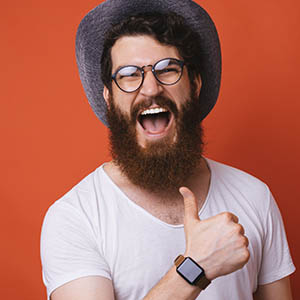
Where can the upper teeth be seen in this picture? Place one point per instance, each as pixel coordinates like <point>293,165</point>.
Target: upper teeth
<point>153,111</point>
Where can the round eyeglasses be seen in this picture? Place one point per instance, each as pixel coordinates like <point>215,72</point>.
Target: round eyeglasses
<point>167,71</point>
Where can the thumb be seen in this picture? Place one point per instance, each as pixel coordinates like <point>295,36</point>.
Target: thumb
<point>190,205</point>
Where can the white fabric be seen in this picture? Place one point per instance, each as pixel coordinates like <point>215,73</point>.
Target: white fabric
<point>96,230</point>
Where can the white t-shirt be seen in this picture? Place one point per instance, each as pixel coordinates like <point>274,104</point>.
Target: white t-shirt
<point>96,230</point>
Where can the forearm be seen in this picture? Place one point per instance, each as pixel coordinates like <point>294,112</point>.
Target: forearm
<point>278,290</point>
<point>172,287</point>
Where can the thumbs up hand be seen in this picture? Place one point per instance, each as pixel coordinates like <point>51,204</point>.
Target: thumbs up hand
<point>217,244</point>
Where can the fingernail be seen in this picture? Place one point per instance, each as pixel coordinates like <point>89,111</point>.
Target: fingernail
<point>183,192</point>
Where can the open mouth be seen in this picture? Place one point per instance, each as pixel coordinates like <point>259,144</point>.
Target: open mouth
<point>155,120</point>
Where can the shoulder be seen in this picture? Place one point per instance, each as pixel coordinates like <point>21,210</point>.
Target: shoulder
<point>228,175</point>
<point>79,207</point>
<point>239,190</point>
<point>74,219</point>
<point>83,195</point>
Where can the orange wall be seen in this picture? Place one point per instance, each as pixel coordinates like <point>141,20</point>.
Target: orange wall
<point>50,137</point>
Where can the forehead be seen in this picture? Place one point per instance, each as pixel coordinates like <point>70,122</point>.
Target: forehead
<point>140,50</point>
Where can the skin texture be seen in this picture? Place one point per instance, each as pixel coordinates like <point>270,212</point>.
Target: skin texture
<point>211,247</point>
<point>277,290</point>
<point>127,51</point>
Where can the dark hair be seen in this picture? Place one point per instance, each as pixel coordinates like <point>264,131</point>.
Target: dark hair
<point>168,29</point>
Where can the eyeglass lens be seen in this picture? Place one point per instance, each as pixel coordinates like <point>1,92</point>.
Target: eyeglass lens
<point>167,71</point>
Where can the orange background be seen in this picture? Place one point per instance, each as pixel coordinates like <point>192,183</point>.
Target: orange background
<point>50,138</point>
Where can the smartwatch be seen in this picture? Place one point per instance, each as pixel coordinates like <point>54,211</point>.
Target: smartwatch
<point>187,268</point>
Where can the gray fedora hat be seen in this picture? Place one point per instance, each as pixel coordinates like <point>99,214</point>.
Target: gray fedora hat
<point>93,27</point>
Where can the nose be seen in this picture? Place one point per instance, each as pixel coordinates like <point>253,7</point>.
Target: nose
<point>150,86</point>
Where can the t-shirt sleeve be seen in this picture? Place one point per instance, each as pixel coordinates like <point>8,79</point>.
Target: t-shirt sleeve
<point>69,247</point>
<point>276,259</point>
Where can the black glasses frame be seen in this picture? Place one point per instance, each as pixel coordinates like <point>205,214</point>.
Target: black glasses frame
<point>180,63</point>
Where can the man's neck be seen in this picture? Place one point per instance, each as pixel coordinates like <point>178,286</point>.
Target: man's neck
<point>167,207</point>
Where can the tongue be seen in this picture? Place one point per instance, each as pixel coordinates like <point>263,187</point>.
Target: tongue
<point>155,123</point>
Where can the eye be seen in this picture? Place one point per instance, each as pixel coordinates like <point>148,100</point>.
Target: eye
<point>128,72</point>
<point>167,70</point>
<point>167,67</point>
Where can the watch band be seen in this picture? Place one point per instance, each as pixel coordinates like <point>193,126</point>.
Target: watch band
<point>202,283</point>
<point>179,260</point>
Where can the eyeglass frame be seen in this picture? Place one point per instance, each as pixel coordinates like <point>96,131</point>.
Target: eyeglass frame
<point>180,62</point>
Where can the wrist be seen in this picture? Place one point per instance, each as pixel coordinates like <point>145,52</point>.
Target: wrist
<point>191,271</point>
<point>206,264</point>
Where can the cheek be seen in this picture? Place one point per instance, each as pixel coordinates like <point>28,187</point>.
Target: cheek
<point>124,105</point>
<point>181,96</point>
<point>182,91</point>
<point>121,100</point>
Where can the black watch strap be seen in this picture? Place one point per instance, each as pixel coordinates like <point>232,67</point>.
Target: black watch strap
<point>203,282</point>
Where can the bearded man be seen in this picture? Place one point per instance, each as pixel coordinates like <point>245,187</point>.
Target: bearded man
<point>160,221</point>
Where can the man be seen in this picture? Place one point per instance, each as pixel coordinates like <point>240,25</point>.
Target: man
<point>160,221</point>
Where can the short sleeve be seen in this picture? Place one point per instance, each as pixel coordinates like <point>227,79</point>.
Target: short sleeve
<point>69,247</point>
<point>276,259</point>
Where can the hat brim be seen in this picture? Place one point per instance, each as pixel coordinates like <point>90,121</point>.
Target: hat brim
<point>91,34</point>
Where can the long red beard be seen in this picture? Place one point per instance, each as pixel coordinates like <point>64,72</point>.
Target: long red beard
<point>160,167</point>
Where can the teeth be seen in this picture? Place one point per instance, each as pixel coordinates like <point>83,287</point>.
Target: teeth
<point>151,111</point>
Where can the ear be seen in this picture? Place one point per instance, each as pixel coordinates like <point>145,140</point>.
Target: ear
<point>198,83</point>
<point>106,95</point>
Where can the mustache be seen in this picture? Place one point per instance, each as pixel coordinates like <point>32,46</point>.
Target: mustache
<point>162,101</point>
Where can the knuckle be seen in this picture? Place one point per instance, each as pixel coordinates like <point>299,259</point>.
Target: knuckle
<point>239,229</point>
<point>227,217</point>
<point>246,255</point>
<point>242,242</point>
<point>188,204</point>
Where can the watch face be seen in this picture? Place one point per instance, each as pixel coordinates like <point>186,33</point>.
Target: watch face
<point>190,270</point>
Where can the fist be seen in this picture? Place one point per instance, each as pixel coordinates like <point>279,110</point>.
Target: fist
<point>217,244</point>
